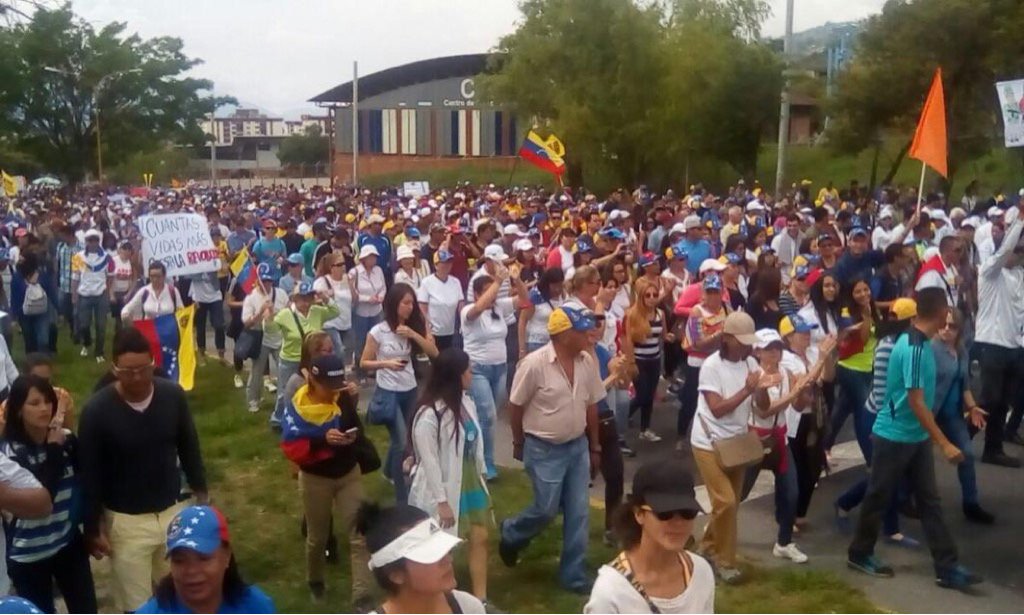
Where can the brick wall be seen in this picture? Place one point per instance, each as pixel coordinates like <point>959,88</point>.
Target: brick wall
<point>380,164</point>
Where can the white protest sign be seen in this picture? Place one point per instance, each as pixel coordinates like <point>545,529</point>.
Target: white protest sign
<point>1011,104</point>
<point>180,241</point>
<point>415,189</point>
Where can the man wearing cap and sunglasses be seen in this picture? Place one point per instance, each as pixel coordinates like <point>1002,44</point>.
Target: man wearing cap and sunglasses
<point>553,414</point>
<point>270,249</point>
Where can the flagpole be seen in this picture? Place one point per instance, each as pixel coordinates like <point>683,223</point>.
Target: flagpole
<point>920,188</point>
<point>515,165</point>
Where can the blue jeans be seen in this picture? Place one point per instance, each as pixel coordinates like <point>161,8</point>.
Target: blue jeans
<point>560,474</point>
<point>854,388</point>
<point>618,401</point>
<point>531,346</point>
<point>488,392</point>
<point>404,405</point>
<point>955,428</point>
<point>285,370</point>
<point>90,310</point>
<point>361,326</point>
<point>36,330</point>
<point>338,338</point>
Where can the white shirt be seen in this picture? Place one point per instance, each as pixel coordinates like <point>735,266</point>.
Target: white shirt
<point>147,303</point>
<point>621,301</point>
<point>205,288</point>
<point>946,283</point>
<point>567,260</point>
<point>254,302</point>
<point>368,284</point>
<point>881,238</point>
<point>537,326</point>
<point>794,365</point>
<point>774,393</point>
<point>342,293</point>
<point>809,314</point>
<point>412,280</point>
<point>612,593</point>
<point>468,603</point>
<point>442,300</point>
<point>483,339</point>
<point>786,250</point>
<point>679,282</point>
<point>8,371</point>
<point>726,379</point>
<point>12,476</point>
<point>504,292</point>
<point>390,346</point>
<point>91,270</point>
<point>1000,317</point>
<point>122,281</point>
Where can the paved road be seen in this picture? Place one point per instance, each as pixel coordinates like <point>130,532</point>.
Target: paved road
<point>996,552</point>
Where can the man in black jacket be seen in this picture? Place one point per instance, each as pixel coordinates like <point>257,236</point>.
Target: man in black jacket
<point>131,436</point>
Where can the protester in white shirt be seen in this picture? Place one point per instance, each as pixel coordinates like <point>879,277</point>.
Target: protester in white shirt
<point>997,334</point>
<point>389,351</point>
<point>440,296</point>
<point>333,281</point>
<point>259,308</point>
<point>884,233</point>
<point>91,269</point>
<point>787,246</point>
<point>368,288</point>
<point>654,526</point>
<point>728,381</point>
<point>533,319</point>
<point>205,292</point>
<point>154,299</point>
<point>124,281</point>
<point>8,370</point>
<point>408,272</point>
<point>484,329</point>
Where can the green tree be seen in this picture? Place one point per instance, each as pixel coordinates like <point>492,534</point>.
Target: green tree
<point>60,73</point>
<point>880,95</point>
<point>308,149</point>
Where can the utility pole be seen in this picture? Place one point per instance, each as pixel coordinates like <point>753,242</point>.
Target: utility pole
<point>355,123</point>
<point>787,50</point>
<point>213,150</point>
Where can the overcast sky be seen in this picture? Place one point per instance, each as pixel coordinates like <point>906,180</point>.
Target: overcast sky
<point>277,54</point>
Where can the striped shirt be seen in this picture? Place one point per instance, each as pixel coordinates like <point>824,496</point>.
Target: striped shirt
<point>879,367</point>
<point>650,348</point>
<point>64,269</point>
<point>32,540</point>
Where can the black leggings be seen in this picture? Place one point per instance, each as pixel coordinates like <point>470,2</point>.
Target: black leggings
<point>646,383</point>
<point>687,401</point>
<point>69,567</point>
<point>809,457</point>
<point>612,468</point>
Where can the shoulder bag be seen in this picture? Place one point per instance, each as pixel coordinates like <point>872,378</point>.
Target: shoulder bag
<point>735,451</point>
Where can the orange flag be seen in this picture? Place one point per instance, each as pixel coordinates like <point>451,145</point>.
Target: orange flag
<point>930,138</point>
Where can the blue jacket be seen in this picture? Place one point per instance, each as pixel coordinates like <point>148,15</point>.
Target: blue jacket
<point>383,245</point>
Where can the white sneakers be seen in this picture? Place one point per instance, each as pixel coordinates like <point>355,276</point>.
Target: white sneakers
<point>84,353</point>
<point>254,407</point>
<point>790,552</point>
<point>238,381</point>
<point>649,436</point>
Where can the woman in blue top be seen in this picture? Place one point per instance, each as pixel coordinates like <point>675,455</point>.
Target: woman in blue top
<point>51,549</point>
<point>955,406</point>
<point>204,575</point>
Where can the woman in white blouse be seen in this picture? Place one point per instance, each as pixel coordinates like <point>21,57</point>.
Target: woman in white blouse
<point>409,272</point>
<point>331,279</point>
<point>154,299</point>
<point>440,295</point>
<point>483,334</point>
<point>533,320</point>
<point>368,288</point>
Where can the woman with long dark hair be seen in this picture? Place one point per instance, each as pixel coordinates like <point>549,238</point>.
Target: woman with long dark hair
<point>544,298</point>
<point>448,475</point>
<point>204,575</point>
<point>50,550</point>
<point>857,341</point>
<point>822,313</point>
<point>411,560</point>
<point>763,306</point>
<point>390,346</point>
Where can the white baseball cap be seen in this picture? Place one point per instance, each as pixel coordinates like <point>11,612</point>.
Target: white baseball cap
<point>404,251</point>
<point>513,229</point>
<point>423,543</point>
<point>523,245</point>
<point>495,252</point>
<point>368,250</point>
<point>691,221</point>
<point>712,264</point>
<point>766,337</point>
<point>679,227</point>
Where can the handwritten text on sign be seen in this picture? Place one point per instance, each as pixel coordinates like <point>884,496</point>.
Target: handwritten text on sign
<point>180,241</point>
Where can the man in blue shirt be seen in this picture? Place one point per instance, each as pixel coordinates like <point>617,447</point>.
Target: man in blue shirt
<point>269,249</point>
<point>860,262</point>
<point>903,435</point>
<point>239,237</point>
<point>698,249</point>
<point>374,237</point>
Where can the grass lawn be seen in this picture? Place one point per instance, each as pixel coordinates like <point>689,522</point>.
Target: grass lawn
<point>251,482</point>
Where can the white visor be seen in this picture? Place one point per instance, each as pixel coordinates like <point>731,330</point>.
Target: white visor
<point>423,543</point>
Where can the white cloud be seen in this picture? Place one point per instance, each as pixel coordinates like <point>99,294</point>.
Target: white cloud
<point>279,54</point>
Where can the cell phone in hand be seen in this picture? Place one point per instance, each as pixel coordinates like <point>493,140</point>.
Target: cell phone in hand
<point>351,431</point>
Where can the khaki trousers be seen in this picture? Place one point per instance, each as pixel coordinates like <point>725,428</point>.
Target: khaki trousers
<point>724,486</point>
<point>139,559</point>
<point>321,497</point>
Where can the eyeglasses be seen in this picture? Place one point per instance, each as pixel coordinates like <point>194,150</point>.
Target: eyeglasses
<point>668,515</point>
<point>337,265</point>
<point>133,371</point>
<point>650,295</point>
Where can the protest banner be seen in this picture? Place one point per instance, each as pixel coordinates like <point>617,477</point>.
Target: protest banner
<point>180,241</point>
<point>1011,104</point>
<point>415,189</point>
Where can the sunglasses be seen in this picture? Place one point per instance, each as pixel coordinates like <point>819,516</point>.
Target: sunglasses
<point>668,515</point>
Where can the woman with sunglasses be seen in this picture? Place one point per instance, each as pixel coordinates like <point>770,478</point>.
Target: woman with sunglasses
<point>154,299</point>
<point>655,573</point>
<point>333,282</point>
<point>958,408</point>
<point>645,325</point>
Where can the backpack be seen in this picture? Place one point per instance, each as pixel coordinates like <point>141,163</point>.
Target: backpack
<point>409,457</point>
<point>36,301</point>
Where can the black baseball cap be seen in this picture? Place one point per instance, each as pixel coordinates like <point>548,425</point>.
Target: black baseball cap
<point>665,486</point>
<point>329,371</point>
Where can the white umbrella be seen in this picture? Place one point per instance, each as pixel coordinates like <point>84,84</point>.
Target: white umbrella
<point>46,180</point>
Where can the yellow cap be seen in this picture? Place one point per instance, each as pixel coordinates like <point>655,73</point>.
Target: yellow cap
<point>903,308</point>
<point>390,224</point>
<point>350,218</point>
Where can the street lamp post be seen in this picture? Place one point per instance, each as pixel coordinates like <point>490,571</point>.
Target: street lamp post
<point>104,80</point>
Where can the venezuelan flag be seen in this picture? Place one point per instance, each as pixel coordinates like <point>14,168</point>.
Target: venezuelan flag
<point>171,340</point>
<point>244,270</point>
<point>544,154</point>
